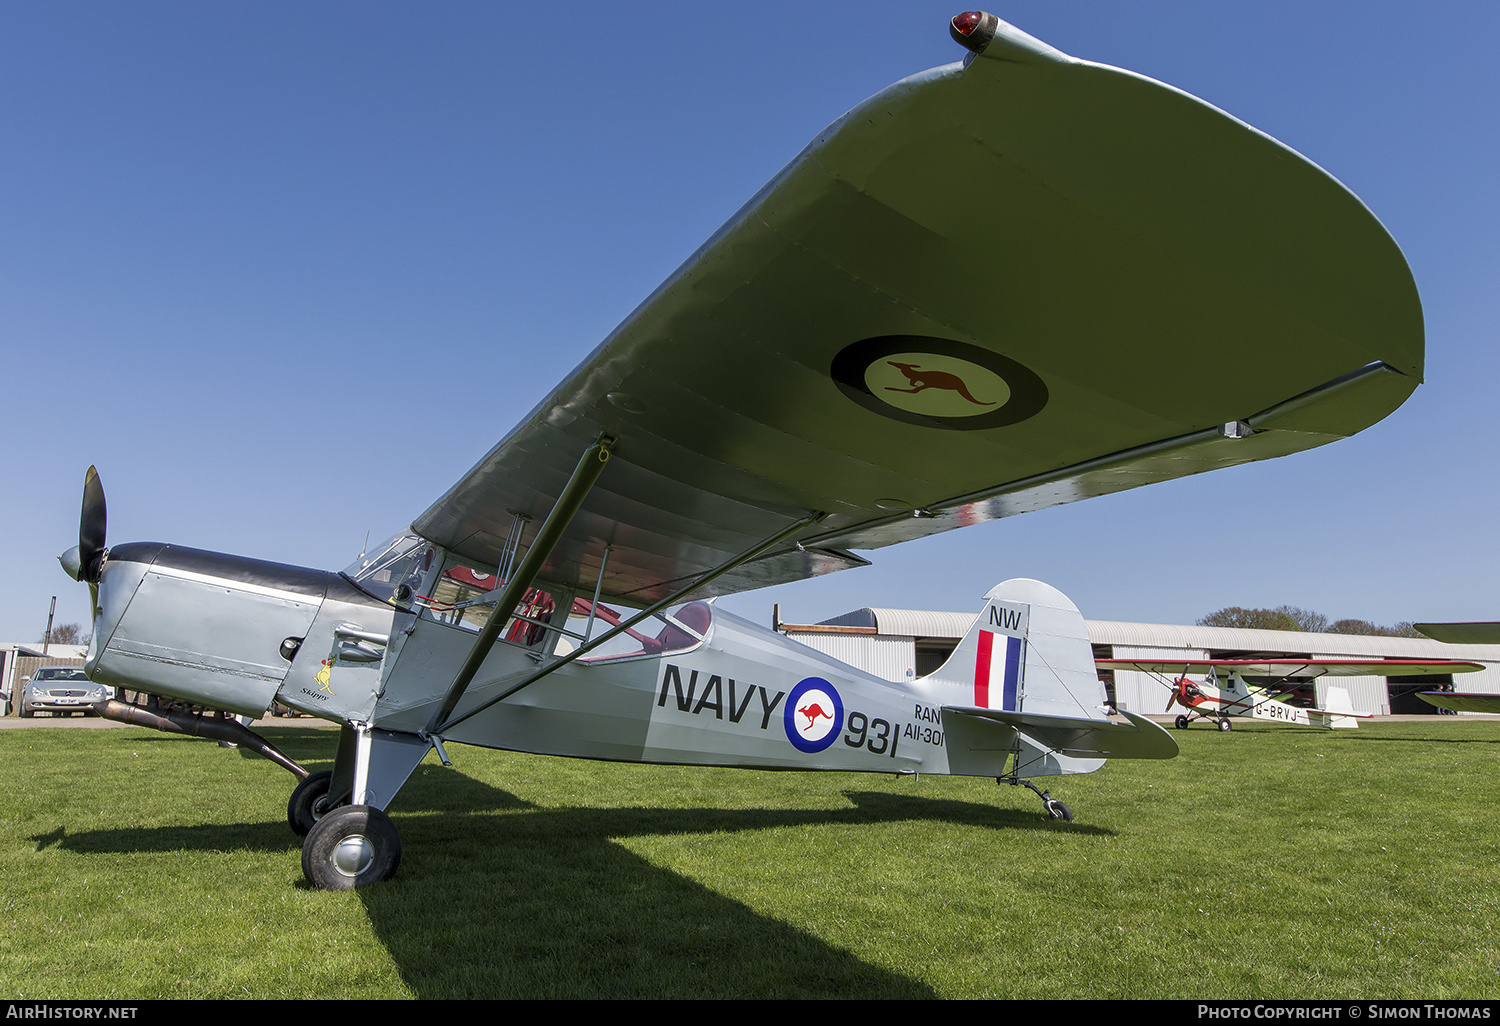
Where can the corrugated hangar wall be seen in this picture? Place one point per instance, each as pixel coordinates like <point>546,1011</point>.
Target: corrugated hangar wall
<point>884,642</point>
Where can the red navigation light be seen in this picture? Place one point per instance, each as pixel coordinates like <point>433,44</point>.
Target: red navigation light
<point>965,23</point>
<point>974,29</point>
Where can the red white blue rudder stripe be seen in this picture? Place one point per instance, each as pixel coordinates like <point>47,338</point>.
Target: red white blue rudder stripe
<point>997,664</point>
<point>1028,651</point>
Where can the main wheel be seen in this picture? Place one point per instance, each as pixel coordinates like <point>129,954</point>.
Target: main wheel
<point>1180,723</point>
<point>1224,726</point>
<point>351,846</point>
<point>309,802</point>
<point>1058,810</point>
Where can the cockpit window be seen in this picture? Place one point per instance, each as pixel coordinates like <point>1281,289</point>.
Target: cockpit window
<point>662,633</point>
<point>455,597</point>
<point>463,596</point>
<point>397,562</point>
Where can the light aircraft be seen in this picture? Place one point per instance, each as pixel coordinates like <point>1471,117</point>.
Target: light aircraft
<point>1000,285</point>
<point>1224,693</point>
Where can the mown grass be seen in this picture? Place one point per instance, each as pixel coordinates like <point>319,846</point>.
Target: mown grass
<point>1270,862</point>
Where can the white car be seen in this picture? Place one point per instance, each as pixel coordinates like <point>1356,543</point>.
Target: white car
<point>59,689</point>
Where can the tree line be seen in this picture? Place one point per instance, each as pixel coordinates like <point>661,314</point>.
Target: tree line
<point>1291,618</point>
<point>65,634</point>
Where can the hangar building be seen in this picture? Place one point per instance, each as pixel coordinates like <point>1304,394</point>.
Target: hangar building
<point>902,644</point>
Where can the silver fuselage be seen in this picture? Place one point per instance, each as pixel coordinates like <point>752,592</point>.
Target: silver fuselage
<point>233,633</point>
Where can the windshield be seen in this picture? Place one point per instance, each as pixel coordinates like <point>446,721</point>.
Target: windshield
<point>398,561</point>
<point>59,673</point>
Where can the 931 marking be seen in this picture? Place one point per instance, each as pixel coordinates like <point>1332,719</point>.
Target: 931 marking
<point>876,735</point>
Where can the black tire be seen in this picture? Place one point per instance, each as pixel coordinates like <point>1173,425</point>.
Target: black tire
<point>1059,810</point>
<point>1181,723</point>
<point>1225,726</point>
<point>309,802</point>
<point>352,846</point>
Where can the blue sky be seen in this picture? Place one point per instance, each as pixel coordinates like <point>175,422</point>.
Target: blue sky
<point>285,271</point>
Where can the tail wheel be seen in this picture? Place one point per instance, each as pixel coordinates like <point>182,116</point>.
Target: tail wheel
<point>1224,726</point>
<point>351,846</point>
<point>309,802</point>
<point>1058,810</point>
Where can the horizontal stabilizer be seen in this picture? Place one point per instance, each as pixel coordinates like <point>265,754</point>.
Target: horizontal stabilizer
<point>1138,738</point>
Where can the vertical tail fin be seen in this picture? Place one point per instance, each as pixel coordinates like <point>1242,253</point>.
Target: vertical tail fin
<point>1338,701</point>
<point>1027,651</point>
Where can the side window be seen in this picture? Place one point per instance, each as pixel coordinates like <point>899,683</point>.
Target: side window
<point>453,595</point>
<point>529,626</point>
<point>661,634</point>
<point>462,596</point>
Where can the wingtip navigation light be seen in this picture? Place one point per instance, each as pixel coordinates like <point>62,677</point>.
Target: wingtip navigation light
<point>973,30</point>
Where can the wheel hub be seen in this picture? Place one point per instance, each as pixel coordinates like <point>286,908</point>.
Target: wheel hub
<point>353,855</point>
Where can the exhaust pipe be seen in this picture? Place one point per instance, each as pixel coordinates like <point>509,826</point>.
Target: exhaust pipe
<point>214,726</point>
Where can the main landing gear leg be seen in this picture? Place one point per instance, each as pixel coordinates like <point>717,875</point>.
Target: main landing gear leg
<point>350,841</point>
<point>1055,809</point>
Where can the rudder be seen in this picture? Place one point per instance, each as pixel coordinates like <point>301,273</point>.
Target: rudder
<point>1028,651</point>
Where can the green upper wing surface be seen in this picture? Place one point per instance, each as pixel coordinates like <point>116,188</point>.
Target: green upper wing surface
<point>994,287</point>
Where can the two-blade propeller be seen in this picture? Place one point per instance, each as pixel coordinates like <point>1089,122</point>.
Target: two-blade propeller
<point>91,528</point>
<point>86,561</point>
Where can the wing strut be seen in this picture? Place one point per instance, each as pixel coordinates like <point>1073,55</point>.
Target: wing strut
<point>677,596</point>
<point>590,466</point>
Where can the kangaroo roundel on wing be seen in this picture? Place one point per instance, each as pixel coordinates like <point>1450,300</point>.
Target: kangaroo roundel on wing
<point>937,382</point>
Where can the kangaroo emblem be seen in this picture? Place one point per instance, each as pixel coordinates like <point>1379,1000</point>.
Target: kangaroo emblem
<point>812,712</point>
<point>323,675</point>
<point>915,375</point>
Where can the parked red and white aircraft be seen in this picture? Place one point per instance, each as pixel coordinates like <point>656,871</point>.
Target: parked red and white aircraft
<point>1224,693</point>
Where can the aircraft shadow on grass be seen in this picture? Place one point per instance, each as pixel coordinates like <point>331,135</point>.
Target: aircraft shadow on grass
<point>540,902</point>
